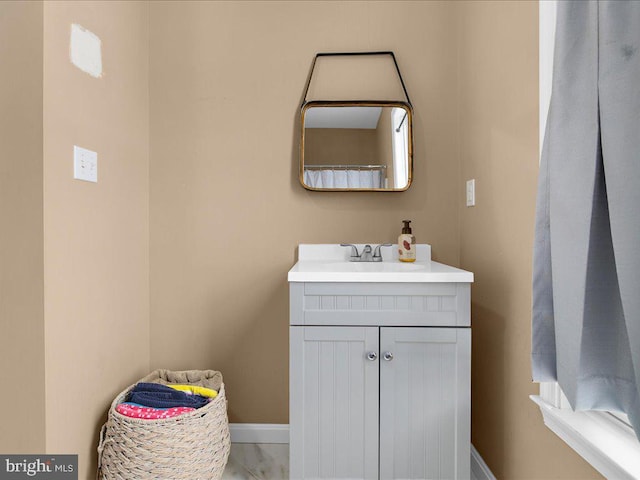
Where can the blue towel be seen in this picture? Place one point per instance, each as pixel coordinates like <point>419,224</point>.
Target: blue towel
<point>156,395</point>
<point>139,405</point>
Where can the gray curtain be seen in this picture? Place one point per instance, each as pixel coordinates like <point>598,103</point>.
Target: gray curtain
<point>586,272</point>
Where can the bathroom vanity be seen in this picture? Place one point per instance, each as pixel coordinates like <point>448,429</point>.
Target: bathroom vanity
<point>380,366</point>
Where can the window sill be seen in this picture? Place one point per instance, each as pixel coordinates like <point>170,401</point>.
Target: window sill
<point>606,443</point>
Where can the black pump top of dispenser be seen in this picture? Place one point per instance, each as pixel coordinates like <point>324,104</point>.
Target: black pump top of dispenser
<point>407,227</point>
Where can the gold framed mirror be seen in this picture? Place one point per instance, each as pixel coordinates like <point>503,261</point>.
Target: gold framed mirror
<point>357,144</point>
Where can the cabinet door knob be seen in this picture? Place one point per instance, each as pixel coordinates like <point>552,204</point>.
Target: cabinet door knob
<point>388,356</point>
<point>372,356</point>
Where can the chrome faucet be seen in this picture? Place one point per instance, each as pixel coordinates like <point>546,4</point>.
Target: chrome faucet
<point>366,255</point>
<point>377,254</point>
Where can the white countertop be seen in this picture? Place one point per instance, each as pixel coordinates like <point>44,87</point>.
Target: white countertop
<point>330,263</point>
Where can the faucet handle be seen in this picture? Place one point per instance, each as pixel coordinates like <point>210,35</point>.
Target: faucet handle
<point>377,255</point>
<point>354,249</point>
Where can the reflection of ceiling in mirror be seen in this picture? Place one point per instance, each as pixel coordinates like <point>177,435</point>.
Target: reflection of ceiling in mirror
<point>342,117</point>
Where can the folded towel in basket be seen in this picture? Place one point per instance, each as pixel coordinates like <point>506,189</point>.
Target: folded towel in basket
<point>194,390</point>
<point>156,395</point>
<point>134,410</point>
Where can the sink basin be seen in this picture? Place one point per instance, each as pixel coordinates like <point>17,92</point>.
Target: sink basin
<point>330,263</point>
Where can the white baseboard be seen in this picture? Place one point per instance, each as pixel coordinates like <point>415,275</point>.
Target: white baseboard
<point>259,432</point>
<point>479,469</point>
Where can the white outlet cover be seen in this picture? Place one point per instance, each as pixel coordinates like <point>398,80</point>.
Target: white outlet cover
<point>85,164</point>
<point>471,192</point>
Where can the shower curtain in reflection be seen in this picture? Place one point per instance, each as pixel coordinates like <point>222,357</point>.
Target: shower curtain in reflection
<point>586,279</point>
<point>343,178</point>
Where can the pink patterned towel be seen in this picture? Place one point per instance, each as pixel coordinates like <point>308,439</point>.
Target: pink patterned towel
<point>134,410</point>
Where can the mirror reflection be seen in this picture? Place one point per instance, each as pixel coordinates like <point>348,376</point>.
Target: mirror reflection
<point>356,147</point>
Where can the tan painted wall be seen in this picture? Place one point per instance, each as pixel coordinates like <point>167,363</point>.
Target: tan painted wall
<point>95,235</point>
<point>227,209</point>
<point>362,77</point>
<point>499,148</point>
<point>21,237</point>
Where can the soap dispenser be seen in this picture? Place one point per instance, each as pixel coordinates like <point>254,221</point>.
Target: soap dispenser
<point>406,244</point>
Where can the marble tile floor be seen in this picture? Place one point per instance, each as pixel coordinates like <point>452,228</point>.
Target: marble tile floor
<point>264,461</point>
<point>261,461</point>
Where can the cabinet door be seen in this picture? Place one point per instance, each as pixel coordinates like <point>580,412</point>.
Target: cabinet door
<point>333,402</point>
<point>425,408</point>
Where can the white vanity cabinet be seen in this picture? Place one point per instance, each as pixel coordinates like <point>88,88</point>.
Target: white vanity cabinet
<point>380,374</point>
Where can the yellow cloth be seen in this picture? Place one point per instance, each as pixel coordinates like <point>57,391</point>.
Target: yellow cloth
<point>195,389</point>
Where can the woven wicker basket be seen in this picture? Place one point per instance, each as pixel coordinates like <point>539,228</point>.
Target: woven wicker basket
<point>191,446</point>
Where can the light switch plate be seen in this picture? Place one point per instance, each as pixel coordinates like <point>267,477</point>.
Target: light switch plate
<point>471,192</point>
<point>85,164</point>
